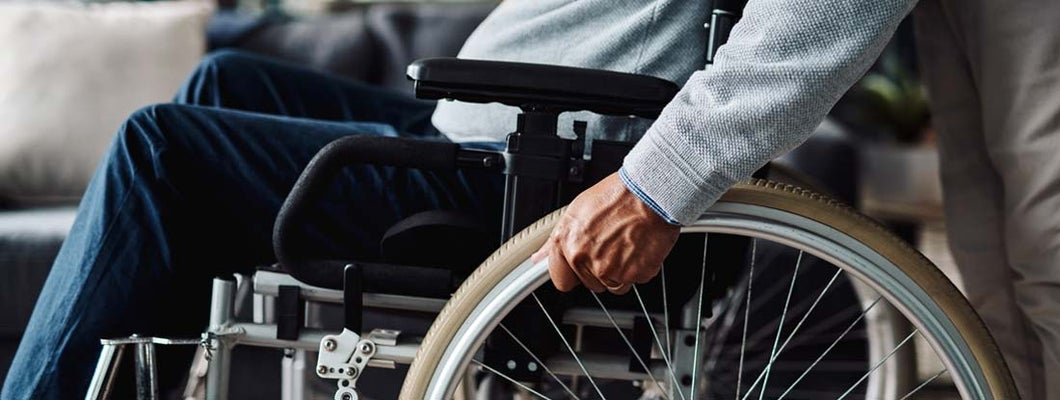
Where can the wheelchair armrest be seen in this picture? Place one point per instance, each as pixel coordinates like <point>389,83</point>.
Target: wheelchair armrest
<point>541,87</point>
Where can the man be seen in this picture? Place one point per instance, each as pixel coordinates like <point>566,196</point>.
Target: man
<point>993,71</point>
<point>137,244</point>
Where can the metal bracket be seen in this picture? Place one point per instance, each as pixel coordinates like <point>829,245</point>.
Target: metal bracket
<point>684,357</point>
<point>344,357</point>
<point>365,349</point>
<point>384,337</point>
<point>335,354</point>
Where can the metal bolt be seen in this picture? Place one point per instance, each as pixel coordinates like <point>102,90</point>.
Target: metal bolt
<point>351,372</point>
<point>347,396</point>
<point>512,365</point>
<point>367,347</point>
<point>329,344</point>
<point>532,366</point>
<point>321,370</point>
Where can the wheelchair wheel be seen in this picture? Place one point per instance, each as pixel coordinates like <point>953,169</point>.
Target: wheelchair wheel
<point>772,329</point>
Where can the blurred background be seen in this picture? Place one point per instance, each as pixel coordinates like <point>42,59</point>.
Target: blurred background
<point>71,72</point>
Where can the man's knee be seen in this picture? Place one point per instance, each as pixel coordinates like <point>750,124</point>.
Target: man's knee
<point>148,126</point>
<point>226,59</point>
<point>205,81</point>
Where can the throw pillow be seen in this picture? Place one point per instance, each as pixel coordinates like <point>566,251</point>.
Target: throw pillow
<point>69,76</point>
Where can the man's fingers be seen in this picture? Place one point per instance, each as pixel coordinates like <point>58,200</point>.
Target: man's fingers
<point>566,275</point>
<point>587,278</point>
<point>541,253</point>
<point>643,275</point>
<point>620,290</point>
<point>560,272</point>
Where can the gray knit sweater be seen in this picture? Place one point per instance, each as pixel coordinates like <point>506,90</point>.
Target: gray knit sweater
<point>785,65</point>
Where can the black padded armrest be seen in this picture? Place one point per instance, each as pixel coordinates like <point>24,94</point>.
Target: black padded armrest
<point>541,87</point>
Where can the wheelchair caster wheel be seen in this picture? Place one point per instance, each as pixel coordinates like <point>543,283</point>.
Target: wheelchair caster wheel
<point>346,393</point>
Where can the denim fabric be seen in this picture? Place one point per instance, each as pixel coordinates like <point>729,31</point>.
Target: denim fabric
<point>189,191</point>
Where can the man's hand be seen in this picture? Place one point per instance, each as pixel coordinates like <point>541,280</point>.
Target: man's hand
<point>607,239</point>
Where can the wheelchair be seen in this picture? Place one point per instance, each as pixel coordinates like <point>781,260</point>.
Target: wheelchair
<point>775,292</point>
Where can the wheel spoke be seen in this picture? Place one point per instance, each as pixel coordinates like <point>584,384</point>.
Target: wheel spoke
<point>773,356</point>
<point>566,343</point>
<point>655,334</point>
<point>509,379</point>
<point>780,328</point>
<point>763,295</point>
<point>921,386</point>
<point>539,362</point>
<point>626,340</point>
<point>731,311</point>
<point>810,336</point>
<point>878,364</point>
<point>747,309</point>
<point>824,326</point>
<point>830,347</point>
<point>666,315</point>
<point>699,317</point>
<point>813,306</point>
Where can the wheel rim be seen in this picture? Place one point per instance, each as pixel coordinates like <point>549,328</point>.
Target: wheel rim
<point>781,227</point>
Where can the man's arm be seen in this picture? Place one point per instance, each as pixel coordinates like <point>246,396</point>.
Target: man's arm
<point>785,65</point>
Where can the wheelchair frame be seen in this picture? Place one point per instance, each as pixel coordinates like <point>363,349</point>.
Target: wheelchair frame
<point>543,172</point>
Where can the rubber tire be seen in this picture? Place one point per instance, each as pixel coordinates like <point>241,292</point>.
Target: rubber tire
<point>757,192</point>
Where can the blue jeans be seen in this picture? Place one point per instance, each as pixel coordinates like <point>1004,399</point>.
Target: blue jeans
<point>189,191</point>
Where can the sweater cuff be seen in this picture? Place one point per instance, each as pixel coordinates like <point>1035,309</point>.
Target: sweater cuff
<point>636,190</point>
<point>669,185</point>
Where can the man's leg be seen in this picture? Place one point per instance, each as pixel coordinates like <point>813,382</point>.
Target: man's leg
<point>973,190</point>
<point>244,81</point>
<point>187,193</point>
<point>1019,59</point>
<point>992,74</point>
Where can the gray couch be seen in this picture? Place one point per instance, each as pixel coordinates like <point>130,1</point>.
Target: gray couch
<point>29,241</point>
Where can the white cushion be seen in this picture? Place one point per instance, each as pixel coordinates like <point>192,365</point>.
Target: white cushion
<point>69,76</point>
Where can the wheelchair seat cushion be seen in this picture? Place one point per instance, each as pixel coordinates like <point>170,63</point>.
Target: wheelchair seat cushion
<point>439,238</point>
